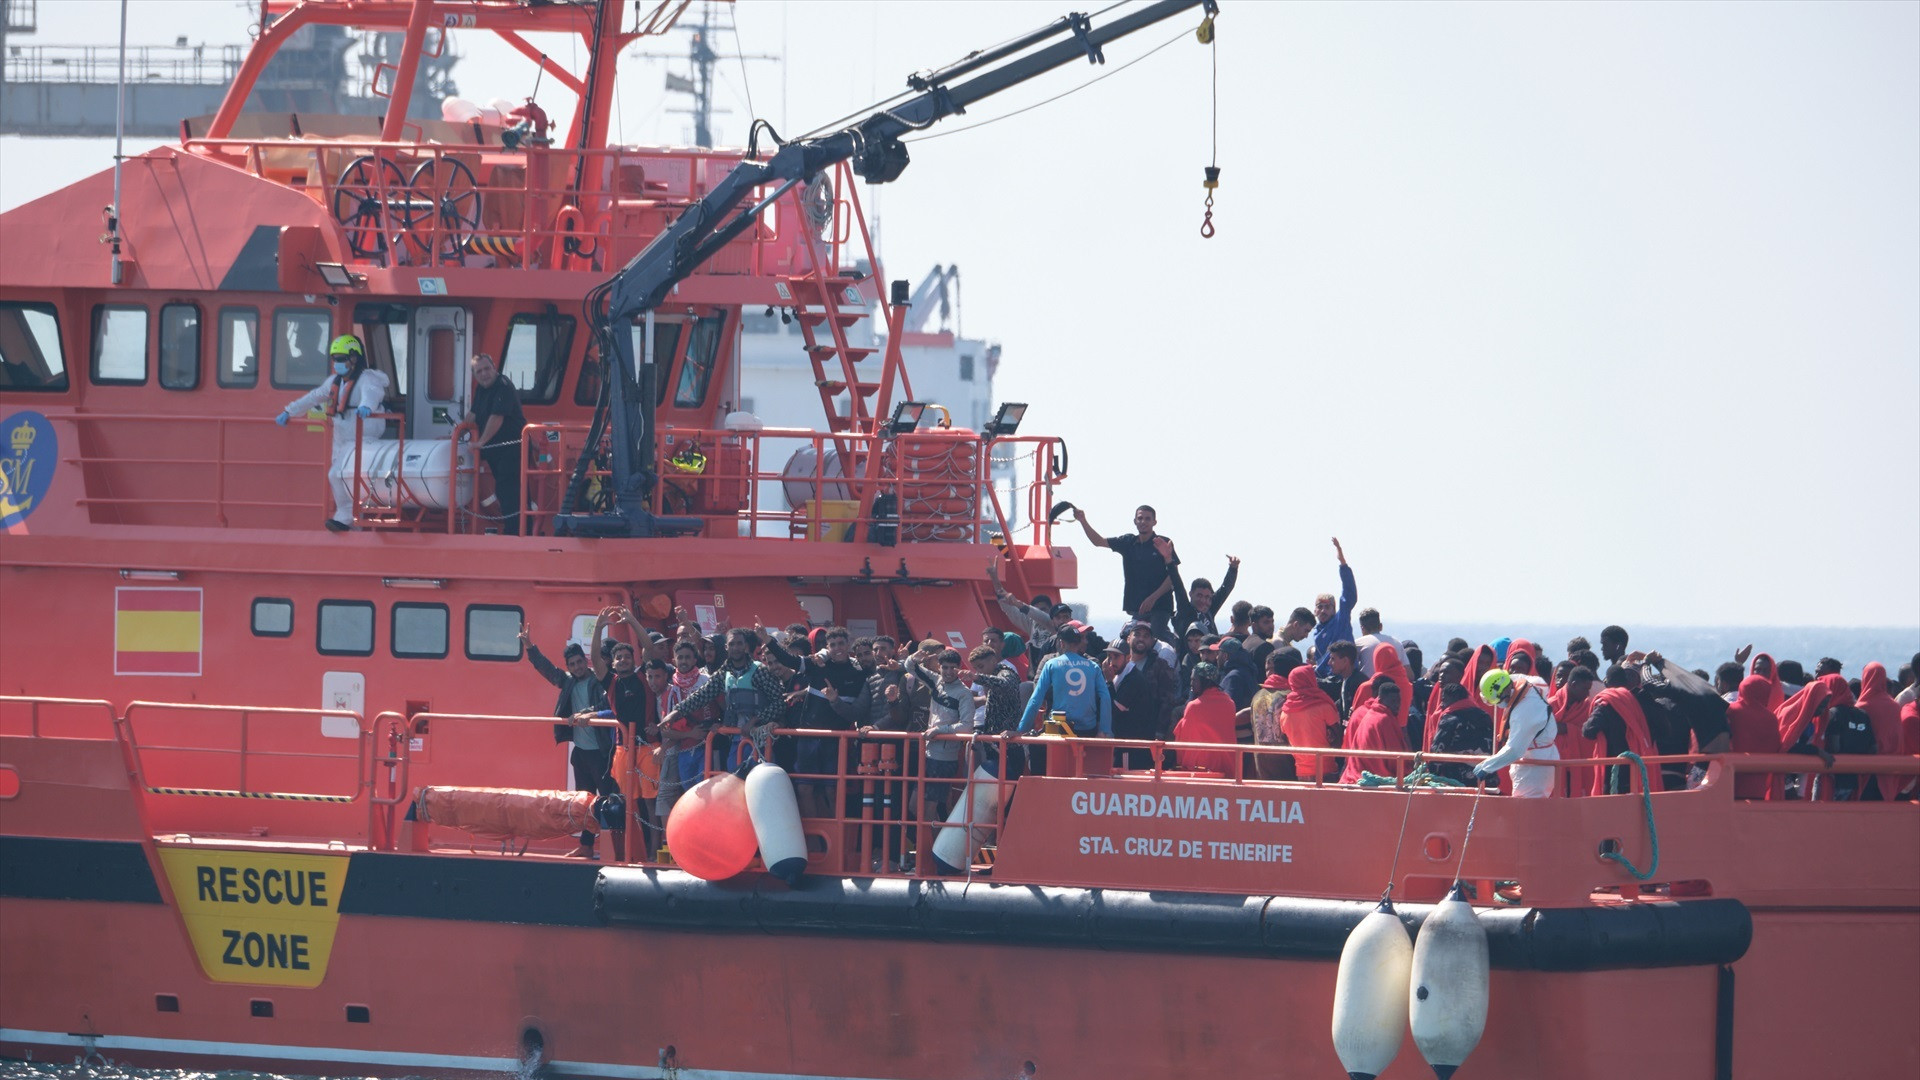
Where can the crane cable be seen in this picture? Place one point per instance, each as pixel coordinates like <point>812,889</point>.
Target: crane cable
<point>1212,176</point>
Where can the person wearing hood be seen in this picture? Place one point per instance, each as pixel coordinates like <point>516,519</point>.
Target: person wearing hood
<point>1386,662</point>
<point>1884,714</point>
<point>1530,734</point>
<point>1752,729</point>
<point>1239,672</point>
<point>1333,622</point>
<point>1308,717</point>
<point>1841,728</point>
<point>1459,727</point>
<point>1209,718</point>
<point>1764,666</point>
<point>1265,709</point>
<point>350,396</point>
<point>1376,726</point>
<point>1572,703</point>
<point>1618,724</point>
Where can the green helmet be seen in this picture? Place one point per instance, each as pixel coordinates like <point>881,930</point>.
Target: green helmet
<point>1494,686</point>
<point>348,346</point>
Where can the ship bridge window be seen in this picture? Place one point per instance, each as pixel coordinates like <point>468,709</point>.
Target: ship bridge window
<point>419,631</point>
<point>180,346</point>
<point>697,371</point>
<point>120,344</point>
<point>237,365</point>
<point>272,617</point>
<point>346,628</point>
<point>300,339</point>
<point>535,359</point>
<point>493,632</point>
<point>387,331</point>
<point>666,347</point>
<point>30,356</point>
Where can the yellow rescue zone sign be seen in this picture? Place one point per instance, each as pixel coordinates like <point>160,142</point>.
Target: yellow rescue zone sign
<point>258,917</point>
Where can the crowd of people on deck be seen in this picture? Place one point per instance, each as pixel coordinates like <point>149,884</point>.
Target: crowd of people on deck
<point>1187,669</point>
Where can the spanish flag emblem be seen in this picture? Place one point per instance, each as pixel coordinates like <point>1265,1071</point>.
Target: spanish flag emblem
<point>156,631</point>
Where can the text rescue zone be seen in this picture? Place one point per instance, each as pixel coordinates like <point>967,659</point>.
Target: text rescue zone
<point>233,885</point>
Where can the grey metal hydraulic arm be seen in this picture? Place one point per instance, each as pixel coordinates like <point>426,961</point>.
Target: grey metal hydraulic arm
<point>873,146</point>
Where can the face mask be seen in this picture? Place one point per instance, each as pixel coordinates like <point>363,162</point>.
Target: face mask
<point>340,367</point>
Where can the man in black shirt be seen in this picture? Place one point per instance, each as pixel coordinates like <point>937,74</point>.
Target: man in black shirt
<point>1145,559</point>
<point>496,410</point>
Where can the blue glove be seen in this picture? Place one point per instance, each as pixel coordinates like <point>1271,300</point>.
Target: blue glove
<point>364,411</point>
<point>281,419</point>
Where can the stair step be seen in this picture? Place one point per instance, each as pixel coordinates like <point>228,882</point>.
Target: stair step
<point>854,354</point>
<point>832,386</point>
<point>817,318</point>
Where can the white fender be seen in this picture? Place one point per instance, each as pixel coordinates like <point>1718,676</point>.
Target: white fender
<point>1447,1001</point>
<point>776,822</point>
<point>954,844</point>
<point>1370,994</point>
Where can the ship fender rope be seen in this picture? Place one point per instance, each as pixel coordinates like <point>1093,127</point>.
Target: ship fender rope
<point>1653,833</point>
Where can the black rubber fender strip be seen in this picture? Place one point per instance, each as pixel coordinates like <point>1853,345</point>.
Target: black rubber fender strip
<point>1637,935</point>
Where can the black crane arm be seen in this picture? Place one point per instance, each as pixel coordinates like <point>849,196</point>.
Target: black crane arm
<point>873,145</point>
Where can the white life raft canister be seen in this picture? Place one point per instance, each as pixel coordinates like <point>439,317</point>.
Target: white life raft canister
<point>776,822</point>
<point>1448,999</point>
<point>955,842</point>
<point>1370,994</point>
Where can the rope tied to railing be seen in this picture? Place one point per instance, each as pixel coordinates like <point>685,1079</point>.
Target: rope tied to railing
<point>1646,799</point>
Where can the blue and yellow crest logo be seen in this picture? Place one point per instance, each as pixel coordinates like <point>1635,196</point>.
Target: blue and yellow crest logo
<point>29,450</point>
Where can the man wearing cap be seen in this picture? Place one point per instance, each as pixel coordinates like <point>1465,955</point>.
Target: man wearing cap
<point>349,396</point>
<point>1146,560</point>
<point>496,409</point>
<point>590,748</point>
<point>1072,684</point>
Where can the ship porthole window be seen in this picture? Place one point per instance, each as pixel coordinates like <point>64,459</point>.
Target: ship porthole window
<point>179,346</point>
<point>346,628</point>
<point>493,632</point>
<point>272,617</point>
<point>419,631</point>
<point>120,344</point>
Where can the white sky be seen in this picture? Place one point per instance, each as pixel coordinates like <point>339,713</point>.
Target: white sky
<point>1583,313</point>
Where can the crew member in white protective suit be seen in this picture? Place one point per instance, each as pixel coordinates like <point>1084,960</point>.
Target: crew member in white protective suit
<point>1531,729</point>
<point>350,396</point>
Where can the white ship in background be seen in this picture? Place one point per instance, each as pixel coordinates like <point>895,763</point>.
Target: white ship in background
<point>945,368</point>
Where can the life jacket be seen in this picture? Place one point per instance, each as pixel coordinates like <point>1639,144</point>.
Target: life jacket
<point>743,698</point>
<point>341,402</point>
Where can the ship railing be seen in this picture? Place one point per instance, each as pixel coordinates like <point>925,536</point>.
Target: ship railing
<point>214,472</point>
<point>245,741</point>
<point>419,203</point>
<point>147,65</point>
<point>396,737</point>
<point>802,484</point>
<point>81,718</point>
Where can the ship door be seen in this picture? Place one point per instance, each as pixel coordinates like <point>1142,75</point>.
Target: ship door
<point>440,347</point>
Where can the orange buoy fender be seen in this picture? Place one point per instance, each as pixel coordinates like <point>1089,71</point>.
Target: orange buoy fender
<point>776,822</point>
<point>710,832</point>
